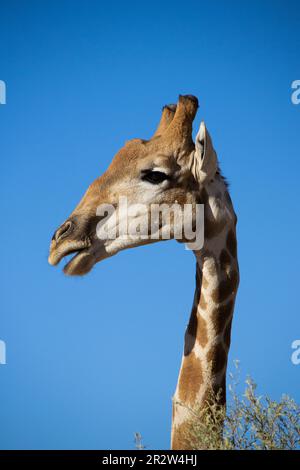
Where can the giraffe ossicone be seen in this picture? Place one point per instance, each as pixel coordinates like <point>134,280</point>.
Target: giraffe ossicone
<point>166,170</point>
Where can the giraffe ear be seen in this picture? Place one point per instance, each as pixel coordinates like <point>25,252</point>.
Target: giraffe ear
<point>205,162</point>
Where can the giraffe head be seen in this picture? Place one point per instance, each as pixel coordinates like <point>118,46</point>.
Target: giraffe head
<point>169,168</point>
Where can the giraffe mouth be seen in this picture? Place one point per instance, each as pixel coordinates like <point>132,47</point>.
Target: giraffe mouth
<point>82,261</point>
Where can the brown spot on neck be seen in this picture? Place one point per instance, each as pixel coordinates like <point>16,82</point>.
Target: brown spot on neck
<point>217,358</point>
<point>231,243</point>
<point>227,333</point>
<point>191,332</point>
<point>190,379</point>
<point>225,260</point>
<point>226,287</point>
<point>202,331</point>
<point>212,228</point>
<point>204,196</point>
<point>220,316</point>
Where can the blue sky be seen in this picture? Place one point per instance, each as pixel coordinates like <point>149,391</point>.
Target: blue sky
<point>92,360</point>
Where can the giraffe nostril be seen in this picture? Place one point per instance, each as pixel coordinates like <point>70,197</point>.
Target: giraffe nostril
<point>63,231</point>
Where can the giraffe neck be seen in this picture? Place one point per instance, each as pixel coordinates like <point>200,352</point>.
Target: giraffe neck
<point>207,337</point>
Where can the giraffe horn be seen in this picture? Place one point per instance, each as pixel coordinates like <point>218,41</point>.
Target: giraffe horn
<point>167,116</point>
<point>180,129</point>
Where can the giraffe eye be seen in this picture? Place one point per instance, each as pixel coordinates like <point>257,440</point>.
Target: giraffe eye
<point>155,177</point>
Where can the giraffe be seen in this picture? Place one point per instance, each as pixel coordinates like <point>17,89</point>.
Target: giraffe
<point>166,168</point>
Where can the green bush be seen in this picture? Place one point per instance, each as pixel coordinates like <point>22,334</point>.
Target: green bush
<point>250,422</point>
